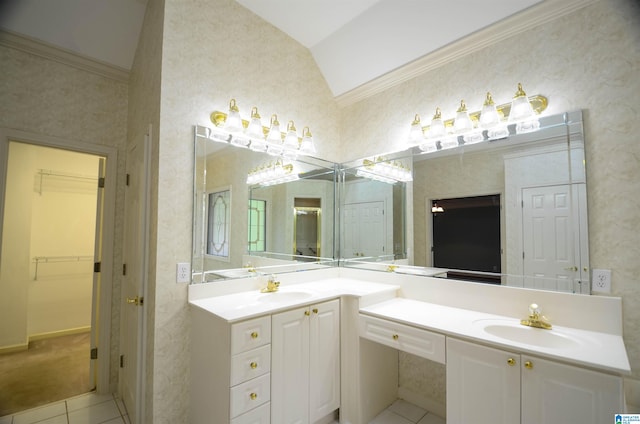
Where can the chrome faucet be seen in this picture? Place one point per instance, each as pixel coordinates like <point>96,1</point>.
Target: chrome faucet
<point>536,319</point>
<point>272,285</point>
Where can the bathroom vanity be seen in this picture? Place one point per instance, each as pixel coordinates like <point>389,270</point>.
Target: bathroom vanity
<point>325,347</point>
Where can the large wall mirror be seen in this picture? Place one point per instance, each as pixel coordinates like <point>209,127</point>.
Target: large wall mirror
<point>509,212</point>
<point>246,221</point>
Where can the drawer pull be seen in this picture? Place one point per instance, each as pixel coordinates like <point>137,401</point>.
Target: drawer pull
<point>395,337</point>
<point>528,365</point>
<point>254,335</point>
<point>511,361</point>
<point>253,396</point>
<point>315,310</point>
<point>253,365</point>
<point>307,313</point>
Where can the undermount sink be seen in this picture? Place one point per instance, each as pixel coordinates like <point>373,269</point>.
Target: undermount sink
<point>283,297</point>
<point>518,333</point>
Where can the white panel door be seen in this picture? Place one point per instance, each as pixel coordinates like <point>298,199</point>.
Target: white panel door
<point>555,393</point>
<point>548,239</point>
<point>290,367</point>
<point>135,254</point>
<point>324,354</point>
<point>483,384</point>
<point>364,225</point>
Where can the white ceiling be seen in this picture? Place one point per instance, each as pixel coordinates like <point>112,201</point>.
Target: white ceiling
<point>352,41</point>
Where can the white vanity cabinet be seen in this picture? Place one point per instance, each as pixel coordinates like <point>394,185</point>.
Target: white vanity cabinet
<point>488,385</point>
<point>231,370</point>
<point>305,368</point>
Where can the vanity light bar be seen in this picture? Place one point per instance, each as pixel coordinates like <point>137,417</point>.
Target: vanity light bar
<point>231,128</point>
<point>488,124</point>
<point>272,174</point>
<point>385,170</point>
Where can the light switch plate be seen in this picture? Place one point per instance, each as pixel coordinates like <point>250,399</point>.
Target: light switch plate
<point>601,281</point>
<point>183,272</point>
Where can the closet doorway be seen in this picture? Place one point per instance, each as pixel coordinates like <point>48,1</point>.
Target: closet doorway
<point>52,208</point>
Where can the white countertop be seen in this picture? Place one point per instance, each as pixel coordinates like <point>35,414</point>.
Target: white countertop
<point>599,350</point>
<point>593,349</point>
<point>249,304</point>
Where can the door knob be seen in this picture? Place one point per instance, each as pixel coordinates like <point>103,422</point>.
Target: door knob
<point>571,268</point>
<point>138,300</point>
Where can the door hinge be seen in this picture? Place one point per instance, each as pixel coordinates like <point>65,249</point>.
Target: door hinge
<point>94,353</point>
<point>121,361</point>
<point>96,267</point>
<point>522,255</point>
<point>101,182</point>
<point>124,269</point>
<point>127,182</point>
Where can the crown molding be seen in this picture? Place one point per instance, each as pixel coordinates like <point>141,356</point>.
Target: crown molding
<point>537,15</point>
<point>67,57</point>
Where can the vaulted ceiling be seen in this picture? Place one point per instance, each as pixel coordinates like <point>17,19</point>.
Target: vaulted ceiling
<point>352,41</point>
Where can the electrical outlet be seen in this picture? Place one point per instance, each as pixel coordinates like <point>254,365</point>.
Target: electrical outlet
<point>601,281</point>
<point>183,272</point>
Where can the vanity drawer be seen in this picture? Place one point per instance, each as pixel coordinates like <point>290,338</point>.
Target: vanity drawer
<point>250,334</point>
<point>250,364</point>
<point>260,415</point>
<point>403,337</point>
<point>249,395</point>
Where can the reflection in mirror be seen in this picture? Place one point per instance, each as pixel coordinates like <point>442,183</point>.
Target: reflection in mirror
<point>373,218</point>
<point>539,179</point>
<point>242,230</point>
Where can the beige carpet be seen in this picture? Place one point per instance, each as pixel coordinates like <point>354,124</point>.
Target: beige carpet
<point>50,370</point>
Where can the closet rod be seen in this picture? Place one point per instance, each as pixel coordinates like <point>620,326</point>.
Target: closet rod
<point>57,259</point>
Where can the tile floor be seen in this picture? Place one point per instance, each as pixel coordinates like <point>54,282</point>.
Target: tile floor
<point>403,412</point>
<point>89,408</point>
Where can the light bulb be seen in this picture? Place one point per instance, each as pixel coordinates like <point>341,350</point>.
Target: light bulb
<point>307,147</point>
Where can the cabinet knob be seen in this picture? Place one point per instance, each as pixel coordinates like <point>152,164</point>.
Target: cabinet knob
<point>511,361</point>
<point>307,313</point>
<point>253,365</point>
<point>395,337</point>
<point>315,310</point>
<point>528,365</point>
<point>254,335</point>
<point>253,396</point>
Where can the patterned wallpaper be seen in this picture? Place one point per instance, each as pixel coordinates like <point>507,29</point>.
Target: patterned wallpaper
<point>212,52</point>
<point>52,99</point>
<point>588,60</point>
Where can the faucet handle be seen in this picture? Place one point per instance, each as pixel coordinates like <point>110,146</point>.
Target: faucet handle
<point>534,310</point>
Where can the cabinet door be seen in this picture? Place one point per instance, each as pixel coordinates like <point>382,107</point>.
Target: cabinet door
<point>483,384</point>
<point>558,393</point>
<point>324,355</point>
<point>290,367</point>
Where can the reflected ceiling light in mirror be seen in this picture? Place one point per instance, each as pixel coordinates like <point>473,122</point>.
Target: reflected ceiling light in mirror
<point>491,120</point>
<point>272,173</point>
<point>436,209</point>
<point>384,170</point>
<point>522,113</point>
